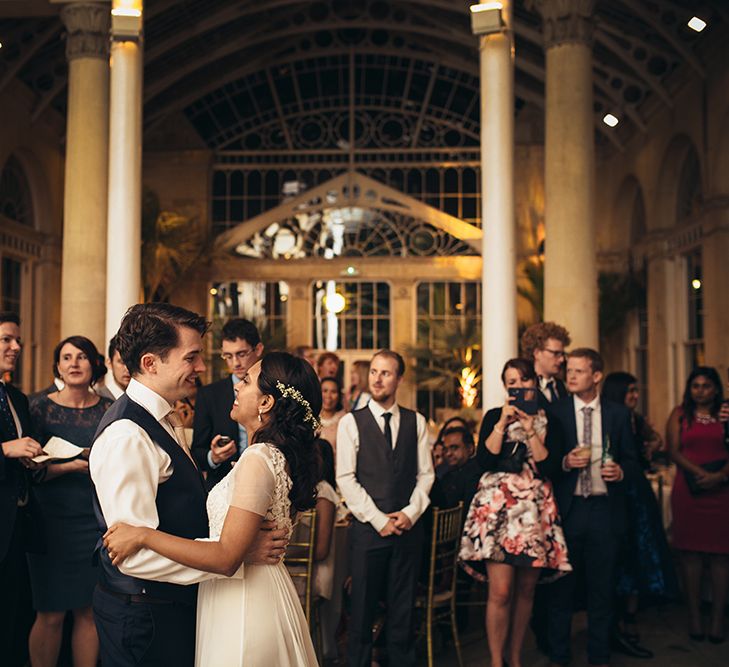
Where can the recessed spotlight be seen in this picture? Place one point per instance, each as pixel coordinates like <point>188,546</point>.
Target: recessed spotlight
<point>610,120</point>
<point>696,284</point>
<point>697,24</point>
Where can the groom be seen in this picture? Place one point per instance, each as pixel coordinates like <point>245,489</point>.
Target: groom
<point>143,474</point>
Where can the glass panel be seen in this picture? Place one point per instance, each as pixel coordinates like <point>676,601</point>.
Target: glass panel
<point>470,304</point>
<point>455,306</point>
<point>423,298</point>
<point>368,334</point>
<point>366,290</point>
<point>439,299</point>
<point>383,333</point>
<point>350,334</point>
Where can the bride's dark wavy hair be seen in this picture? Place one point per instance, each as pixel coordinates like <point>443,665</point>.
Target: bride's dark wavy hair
<point>286,427</point>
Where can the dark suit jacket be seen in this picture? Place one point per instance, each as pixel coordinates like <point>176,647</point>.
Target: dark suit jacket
<point>212,417</point>
<point>11,470</point>
<point>616,424</point>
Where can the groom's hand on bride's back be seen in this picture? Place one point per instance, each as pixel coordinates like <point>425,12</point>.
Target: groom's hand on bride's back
<point>269,546</point>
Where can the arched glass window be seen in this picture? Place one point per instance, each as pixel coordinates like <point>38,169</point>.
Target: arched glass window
<point>15,201</point>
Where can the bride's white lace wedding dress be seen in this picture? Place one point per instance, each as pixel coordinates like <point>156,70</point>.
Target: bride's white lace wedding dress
<point>258,619</point>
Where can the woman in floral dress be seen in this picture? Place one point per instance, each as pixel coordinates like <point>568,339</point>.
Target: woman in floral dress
<point>513,525</point>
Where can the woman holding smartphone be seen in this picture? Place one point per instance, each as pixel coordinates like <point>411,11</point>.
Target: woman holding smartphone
<point>513,524</point>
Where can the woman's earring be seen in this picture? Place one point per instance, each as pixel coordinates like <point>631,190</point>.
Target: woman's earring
<point>260,418</point>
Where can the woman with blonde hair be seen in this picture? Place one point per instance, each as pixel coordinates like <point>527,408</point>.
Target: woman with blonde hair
<point>359,384</point>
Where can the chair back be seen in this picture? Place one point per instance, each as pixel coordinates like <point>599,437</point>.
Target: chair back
<point>444,547</point>
<point>299,558</point>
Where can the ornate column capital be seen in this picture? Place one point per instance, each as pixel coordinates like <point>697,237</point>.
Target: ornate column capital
<point>566,21</point>
<point>87,29</point>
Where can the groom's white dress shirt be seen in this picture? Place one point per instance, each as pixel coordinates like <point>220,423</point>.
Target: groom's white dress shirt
<point>127,467</point>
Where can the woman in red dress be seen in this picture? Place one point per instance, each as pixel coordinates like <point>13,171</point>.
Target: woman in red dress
<point>700,498</point>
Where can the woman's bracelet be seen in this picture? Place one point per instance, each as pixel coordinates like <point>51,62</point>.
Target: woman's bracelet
<point>500,431</point>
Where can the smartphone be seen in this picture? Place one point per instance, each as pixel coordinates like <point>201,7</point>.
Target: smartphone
<point>525,398</point>
<point>224,440</point>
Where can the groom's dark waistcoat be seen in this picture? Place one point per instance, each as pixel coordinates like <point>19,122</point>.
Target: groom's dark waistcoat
<point>388,475</point>
<point>180,505</point>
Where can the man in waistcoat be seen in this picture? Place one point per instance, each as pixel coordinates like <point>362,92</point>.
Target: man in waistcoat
<point>143,474</point>
<point>384,471</point>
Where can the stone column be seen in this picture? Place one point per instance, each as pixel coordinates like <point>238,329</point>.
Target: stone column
<point>124,257</point>
<point>83,277</point>
<point>402,334</point>
<point>498,277</point>
<point>570,271</point>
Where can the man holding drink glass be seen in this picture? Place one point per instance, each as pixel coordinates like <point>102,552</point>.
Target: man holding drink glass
<point>598,452</point>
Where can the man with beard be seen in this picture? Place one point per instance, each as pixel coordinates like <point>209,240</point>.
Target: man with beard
<point>384,471</point>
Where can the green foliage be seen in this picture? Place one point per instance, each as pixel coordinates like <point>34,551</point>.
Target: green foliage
<point>456,345</point>
<point>534,291</point>
<point>172,246</point>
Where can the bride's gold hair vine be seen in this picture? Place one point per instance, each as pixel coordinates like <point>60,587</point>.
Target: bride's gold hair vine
<point>295,395</point>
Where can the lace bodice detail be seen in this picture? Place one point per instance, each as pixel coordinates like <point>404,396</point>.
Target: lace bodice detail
<point>222,494</point>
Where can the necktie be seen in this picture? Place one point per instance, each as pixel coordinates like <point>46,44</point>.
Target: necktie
<point>387,416</point>
<point>7,423</point>
<point>585,478</point>
<point>176,423</point>
<point>551,391</point>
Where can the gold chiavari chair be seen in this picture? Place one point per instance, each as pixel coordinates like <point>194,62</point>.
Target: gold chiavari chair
<point>299,561</point>
<point>439,601</point>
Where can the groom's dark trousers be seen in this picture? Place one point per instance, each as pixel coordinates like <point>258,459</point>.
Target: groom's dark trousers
<point>150,623</point>
<point>153,634</point>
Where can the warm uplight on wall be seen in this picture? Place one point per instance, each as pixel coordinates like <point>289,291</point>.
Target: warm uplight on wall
<point>610,120</point>
<point>126,20</point>
<point>697,24</point>
<point>486,18</point>
<point>696,284</point>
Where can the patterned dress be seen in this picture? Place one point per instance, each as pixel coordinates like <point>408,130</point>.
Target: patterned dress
<point>513,518</point>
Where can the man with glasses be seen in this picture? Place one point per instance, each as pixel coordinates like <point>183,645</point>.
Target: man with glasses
<point>544,343</point>
<point>217,440</point>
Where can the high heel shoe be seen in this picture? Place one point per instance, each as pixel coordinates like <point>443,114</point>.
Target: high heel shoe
<point>717,639</point>
<point>697,636</point>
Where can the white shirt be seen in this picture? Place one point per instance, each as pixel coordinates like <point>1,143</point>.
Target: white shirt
<point>598,483</point>
<point>127,467</point>
<point>358,500</point>
<point>543,387</point>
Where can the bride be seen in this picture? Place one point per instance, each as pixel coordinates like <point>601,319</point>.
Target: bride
<point>257,619</point>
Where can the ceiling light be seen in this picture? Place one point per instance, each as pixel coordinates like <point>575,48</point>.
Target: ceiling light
<point>697,24</point>
<point>610,120</point>
<point>335,303</point>
<point>696,284</point>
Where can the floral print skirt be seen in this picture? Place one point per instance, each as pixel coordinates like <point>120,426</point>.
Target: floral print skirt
<point>513,519</point>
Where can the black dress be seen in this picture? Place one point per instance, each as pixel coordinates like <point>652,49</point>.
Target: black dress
<point>64,577</point>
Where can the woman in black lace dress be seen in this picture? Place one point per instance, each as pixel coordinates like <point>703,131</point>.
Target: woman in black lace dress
<point>63,578</point>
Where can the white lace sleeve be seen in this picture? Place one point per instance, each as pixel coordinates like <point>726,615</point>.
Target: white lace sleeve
<point>254,482</point>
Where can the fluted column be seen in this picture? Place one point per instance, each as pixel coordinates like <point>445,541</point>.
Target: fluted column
<point>498,277</point>
<point>124,287</point>
<point>570,268</point>
<point>83,276</point>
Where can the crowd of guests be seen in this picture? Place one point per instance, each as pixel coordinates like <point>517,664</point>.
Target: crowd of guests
<point>558,512</point>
